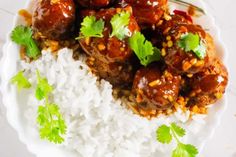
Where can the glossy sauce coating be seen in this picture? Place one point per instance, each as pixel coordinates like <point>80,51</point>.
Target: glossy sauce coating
<point>155,89</point>
<point>55,20</point>
<point>113,55</point>
<point>93,3</point>
<point>209,85</point>
<point>176,57</point>
<point>148,12</point>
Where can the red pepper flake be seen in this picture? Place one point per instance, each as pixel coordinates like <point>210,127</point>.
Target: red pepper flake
<point>184,14</point>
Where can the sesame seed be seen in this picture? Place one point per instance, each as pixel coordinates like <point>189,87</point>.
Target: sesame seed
<point>168,37</point>
<point>101,47</point>
<point>154,83</point>
<point>189,75</point>
<point>164,44</point>
<point>87,40</point>
<point>169,43</point>
<point>193,61</point>
<point>199,63</point>
<point>186,65</point>
<point>163,52</point>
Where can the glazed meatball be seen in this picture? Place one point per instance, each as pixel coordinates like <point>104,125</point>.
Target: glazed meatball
<point>155,89</point>
<point>148,12</point>
<point>209,85</point>
<point>93,3</point>
<point>175,56</point>
<point>112,58</point>
<point>54,19</point>
<point>156,35</point>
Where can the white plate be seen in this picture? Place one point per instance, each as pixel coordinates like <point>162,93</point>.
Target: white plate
<point>15,105</point>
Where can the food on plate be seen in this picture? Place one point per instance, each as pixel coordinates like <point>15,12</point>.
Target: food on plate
<point>154,61</point>
<point>159,68</point>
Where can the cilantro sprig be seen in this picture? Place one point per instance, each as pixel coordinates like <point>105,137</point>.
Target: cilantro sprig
<point>90,27</point>
<point>52,126</point>
<point>22,35</point>
<point>119,23</point>
<point>51,123</point>
<point>144,49</point>
<point>165,134</point>
<point>43,88</point>
<point>20,81</point>
<point>192,42</point>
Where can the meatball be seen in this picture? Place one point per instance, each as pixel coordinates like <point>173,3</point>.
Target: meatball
<point>93,3</point>
<point>176,57</point>
<point>148,12</point>
<point>155,89</point>
<point>54,19</point>
<point>112,58</point>
<point>156,35</point>
<point>209,85</point>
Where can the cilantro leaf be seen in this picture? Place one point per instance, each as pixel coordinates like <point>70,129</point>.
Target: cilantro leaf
<point>90,27</point>
<point>166,133</point>
<point>143,49</point>
<point>20,80</point>
<point>177,129</point>
<point>163,134</point>
<point>189,41</point>
<point>200,51</point>
<point>192,42</point>
<point>184,150</point>
<point>51,122</point>
<point>119,23</point>
<point>43,88</point>
<point>22,35</point>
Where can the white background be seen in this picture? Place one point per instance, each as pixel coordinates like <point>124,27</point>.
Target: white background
<point>222,144</point>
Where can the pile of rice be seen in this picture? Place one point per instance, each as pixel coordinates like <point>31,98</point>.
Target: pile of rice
<point>97,124</point>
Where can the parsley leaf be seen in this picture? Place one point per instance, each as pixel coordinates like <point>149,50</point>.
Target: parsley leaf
<point>163,134</point>
<point>52,124</point>
<point>119,23</point>
<point>192,42</point>
<point>178,130</point>
<point>43,88</point>
<point>166,133</point>
<point>184,150</point>
<point>144,49</point>
<point>20,80</point>
<point>90,27</point>
<point>22,35</point>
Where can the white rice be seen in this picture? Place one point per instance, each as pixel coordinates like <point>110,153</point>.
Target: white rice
<point>98,125</point>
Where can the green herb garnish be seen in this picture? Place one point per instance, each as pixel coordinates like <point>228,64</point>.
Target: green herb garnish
<point>165,134</point>
<point>43,88</point>
<point>20,80</point>
<point>90,27</point>
<point>119,23</point>
<point>22,35</point>
<point>192,42</point>
<point>52,124</point>
<point>144,49</point>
